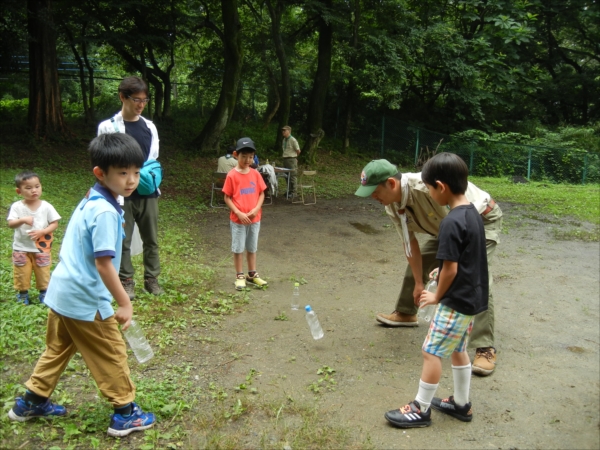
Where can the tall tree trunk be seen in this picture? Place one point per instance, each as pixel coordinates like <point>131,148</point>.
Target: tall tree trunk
<point>350,92</point>
<point>208,140</point>
<point>285,95</point>
<point>319,92</point>
<point>45,116</point>
<point>274,99</point>
<point>90,69</point>
<point>165,78</point>
<point>81,66</point>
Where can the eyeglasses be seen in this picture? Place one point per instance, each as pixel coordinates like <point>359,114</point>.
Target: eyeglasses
<point>139,100</point>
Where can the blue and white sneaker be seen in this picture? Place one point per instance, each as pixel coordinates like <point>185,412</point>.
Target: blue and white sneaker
<point>42,297</point>
<point>23,410</point>
<point>23,298</point>
<point>138,420</point>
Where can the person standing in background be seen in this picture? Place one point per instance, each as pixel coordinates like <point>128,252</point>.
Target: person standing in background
<point>291,150</point>
<point>140,209</point>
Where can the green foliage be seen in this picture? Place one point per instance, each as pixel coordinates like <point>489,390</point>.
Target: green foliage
<point>569,154</point>
<point>556,200</point>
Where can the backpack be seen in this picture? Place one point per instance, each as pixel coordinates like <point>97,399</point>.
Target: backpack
<point>151,175</point>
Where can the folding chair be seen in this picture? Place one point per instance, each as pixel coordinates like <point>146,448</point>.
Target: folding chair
<point>307,183</point>
<point>217,185</point>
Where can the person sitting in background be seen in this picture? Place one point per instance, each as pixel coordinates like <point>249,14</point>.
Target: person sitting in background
<point>228,161</point>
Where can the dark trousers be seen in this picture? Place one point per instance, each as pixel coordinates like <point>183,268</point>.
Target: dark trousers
<point>144,212</point>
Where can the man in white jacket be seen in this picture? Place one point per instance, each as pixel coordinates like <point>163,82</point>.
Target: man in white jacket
<point>140,209</point>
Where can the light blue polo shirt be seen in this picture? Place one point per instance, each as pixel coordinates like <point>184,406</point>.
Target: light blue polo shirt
<point>95,229</point>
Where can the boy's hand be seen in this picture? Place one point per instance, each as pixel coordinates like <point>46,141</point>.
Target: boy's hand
<point>433,274</point>
<point>36,234</point>
<point>244,218</point>
<point>252,214</point>
<point>123,315</point>
<point>427,298</point>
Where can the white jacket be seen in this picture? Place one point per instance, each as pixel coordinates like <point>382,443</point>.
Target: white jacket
<point>108,126</point>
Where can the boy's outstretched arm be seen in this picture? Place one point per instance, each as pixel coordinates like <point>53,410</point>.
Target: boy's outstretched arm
<point>36,234</point>
<point>110,278</point>
<point>445,279</point>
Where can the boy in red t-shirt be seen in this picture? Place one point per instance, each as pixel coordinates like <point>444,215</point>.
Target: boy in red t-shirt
<point>244,194</point>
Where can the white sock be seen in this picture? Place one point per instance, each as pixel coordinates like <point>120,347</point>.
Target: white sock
<point>425,394</point>
<point>462,384</point>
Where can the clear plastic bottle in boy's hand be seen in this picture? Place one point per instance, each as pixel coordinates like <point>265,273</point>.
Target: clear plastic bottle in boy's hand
<point>138,343</point>
<point>426,313</point>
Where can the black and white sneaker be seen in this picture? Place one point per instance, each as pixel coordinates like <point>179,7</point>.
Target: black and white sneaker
<point>409,416</point>
<point>447,406</point>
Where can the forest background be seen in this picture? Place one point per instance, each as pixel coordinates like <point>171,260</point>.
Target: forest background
<point>512,86</point>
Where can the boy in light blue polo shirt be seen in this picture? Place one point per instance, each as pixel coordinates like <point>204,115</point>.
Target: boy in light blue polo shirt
<point>82,287</point>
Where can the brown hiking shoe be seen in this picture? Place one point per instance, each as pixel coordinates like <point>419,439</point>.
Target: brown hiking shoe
<point>129,286</point>
<point>398,319</point>
<point>152,286</point>
<point>485,361</point>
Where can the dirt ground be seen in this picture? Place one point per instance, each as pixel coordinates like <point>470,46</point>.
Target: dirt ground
<point>544,392</point>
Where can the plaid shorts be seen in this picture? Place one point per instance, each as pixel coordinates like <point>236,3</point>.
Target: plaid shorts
<point>448,332</point>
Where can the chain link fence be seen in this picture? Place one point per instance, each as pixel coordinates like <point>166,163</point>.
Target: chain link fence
<point>410,146</point>
<point>390,138</point>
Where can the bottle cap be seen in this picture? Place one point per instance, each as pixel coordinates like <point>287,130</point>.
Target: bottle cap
<point>296,284</point>
<point>307,308</point>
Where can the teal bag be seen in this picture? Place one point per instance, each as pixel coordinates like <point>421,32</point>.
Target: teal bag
<point>151,175</point>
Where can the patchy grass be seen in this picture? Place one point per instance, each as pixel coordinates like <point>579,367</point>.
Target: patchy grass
<point>558,201</point>
<point>181,384</point>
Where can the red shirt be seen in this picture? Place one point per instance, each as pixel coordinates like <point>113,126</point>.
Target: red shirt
<point>244,190</point>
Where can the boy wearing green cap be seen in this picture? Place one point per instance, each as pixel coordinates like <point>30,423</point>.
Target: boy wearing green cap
<point>412,210</point>
<point>462,292</point>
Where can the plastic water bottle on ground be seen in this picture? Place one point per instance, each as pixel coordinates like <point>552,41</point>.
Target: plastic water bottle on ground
<point>138,343</point>
<point>296,297</point>
<point>426,313</point>
<point>313,323</point>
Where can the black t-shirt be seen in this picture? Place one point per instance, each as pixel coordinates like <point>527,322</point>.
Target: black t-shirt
<point>142,134</point>
<point>462,240</point>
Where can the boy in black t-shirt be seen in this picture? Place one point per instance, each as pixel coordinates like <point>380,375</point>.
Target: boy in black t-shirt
<point>462,292</point>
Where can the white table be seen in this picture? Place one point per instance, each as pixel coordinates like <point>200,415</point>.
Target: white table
<point>282,172</point>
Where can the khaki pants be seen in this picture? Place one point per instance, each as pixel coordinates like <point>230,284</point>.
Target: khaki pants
<point>482,334</point>
<point>102,347</point>
<point>26,262</point>
<point>291,163</point>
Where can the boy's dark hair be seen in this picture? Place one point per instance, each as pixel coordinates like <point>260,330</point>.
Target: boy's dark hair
<point>133,85</point>
<point>447,168</point>
<point>230,150</point>
<point>244,150</point>
<point>117,150</point>
<point>20,178</point>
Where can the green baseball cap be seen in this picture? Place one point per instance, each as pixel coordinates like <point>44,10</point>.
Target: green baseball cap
<point>377,171</point>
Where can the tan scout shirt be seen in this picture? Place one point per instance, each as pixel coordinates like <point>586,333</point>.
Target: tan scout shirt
<point>225,164</point>
<point>290,147</point>
<point>424,214</point>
